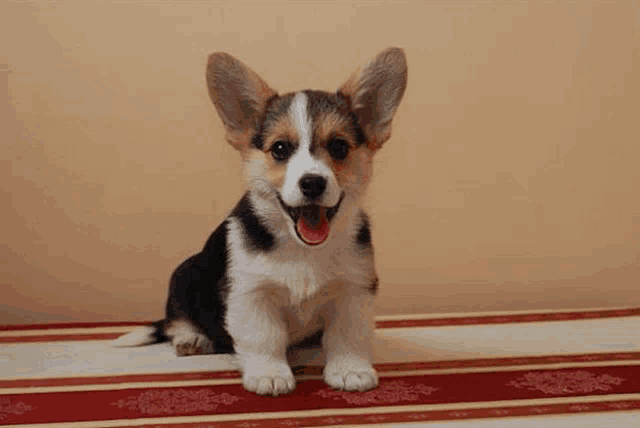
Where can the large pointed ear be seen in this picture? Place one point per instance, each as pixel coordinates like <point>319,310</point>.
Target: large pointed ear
<point>375,92</point>
<point>239,96</point>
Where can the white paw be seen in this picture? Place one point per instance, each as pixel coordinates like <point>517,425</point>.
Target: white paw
<point>350,375</point>
<point>268,377</point>
<point>192,344</point>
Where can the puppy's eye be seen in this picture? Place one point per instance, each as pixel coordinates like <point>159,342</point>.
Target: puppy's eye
<point>338,148</point>
<point>281,150</point>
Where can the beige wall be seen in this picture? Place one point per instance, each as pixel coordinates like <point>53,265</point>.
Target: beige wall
<point>511,181</point>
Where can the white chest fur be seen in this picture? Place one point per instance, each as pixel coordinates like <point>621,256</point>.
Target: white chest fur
<point>299,280</point>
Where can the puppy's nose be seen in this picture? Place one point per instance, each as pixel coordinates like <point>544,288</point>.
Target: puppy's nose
<point>312,186</point>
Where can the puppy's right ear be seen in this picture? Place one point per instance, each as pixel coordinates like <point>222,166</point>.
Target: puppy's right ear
<point>239,96</point>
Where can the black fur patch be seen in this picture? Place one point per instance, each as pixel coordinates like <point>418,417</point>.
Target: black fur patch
<point>313,341</point>
<point>364,233</point>
<point>324,102</point>
<point>258,141</point>
<point>197,292</point>
<point>158,333</point>
<point>258,235</point>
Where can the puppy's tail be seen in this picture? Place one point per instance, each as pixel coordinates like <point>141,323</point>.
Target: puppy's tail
<point>146,335</point>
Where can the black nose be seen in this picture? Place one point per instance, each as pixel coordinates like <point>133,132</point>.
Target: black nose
<point>312,186</point>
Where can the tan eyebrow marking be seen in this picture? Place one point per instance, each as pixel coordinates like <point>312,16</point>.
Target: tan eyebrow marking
<point>283,129</point>
<point>332,124</point>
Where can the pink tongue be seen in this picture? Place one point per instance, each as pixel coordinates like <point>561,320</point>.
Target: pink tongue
<point>313,234</point>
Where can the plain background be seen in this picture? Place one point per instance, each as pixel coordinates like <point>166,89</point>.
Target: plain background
<point>510,182</point>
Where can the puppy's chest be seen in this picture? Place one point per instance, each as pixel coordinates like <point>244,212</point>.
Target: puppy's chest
<point>306,280</point>
<point>301,288</point>
<point>304,315</point>
<point>303,274</point>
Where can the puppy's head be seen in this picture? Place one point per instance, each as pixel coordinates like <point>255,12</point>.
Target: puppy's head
<point>308,153</point>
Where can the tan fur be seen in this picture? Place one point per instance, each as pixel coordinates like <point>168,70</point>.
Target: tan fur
<point>330,125</point>
<point>239,140</point>
<point>349,172</point>
<point>275,172</point>
<point>282,130</point>
<point>355,171</point>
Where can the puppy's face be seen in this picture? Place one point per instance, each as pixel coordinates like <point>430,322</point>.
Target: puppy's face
<point>308,155</point>
<point>309,152</point>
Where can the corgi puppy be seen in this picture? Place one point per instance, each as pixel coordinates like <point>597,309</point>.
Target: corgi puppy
<point>293,261</point>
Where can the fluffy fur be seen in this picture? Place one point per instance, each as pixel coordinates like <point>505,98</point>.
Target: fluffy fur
<point>293,262</point>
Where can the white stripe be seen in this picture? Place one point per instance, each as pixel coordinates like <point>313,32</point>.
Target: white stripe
<point>572,420</point>
<point>302,162</point>
<point>403,317</point>
<point>298,112</point>
<point>60,359</point>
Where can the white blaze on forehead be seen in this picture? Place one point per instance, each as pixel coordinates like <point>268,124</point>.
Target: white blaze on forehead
<point>302,162</point>
<point>298,112</point>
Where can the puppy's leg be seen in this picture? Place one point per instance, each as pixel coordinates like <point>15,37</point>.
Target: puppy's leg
<point>348,343</point>
<point>260,339</point>
<point>187,339</point>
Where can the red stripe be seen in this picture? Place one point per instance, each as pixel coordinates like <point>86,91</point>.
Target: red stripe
<point>102,380</point>
<point>437,415</point>
<point>313,394</point>
<point>315,370</point>
<point>504,362</point>
<point>7,327</point>
<point>507,319</point>
<point>60,338</point>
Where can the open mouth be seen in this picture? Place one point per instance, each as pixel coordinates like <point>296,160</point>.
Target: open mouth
<point>312,221</point>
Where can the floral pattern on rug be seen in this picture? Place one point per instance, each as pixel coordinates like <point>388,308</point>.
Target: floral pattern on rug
<point>9,406</point>
<point>178,400</point>
<point>559,383</point>
<point>387,393</point>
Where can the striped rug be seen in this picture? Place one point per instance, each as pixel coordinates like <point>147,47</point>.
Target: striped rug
<point>560,369</point>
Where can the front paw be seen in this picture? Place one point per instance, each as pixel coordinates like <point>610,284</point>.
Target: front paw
<point>350,375</point>
<point>268,377</point>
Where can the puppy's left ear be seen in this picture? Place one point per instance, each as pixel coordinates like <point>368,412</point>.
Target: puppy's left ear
<point>375,92</point>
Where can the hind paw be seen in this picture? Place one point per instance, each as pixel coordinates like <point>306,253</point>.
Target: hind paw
<point>192,344</point>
